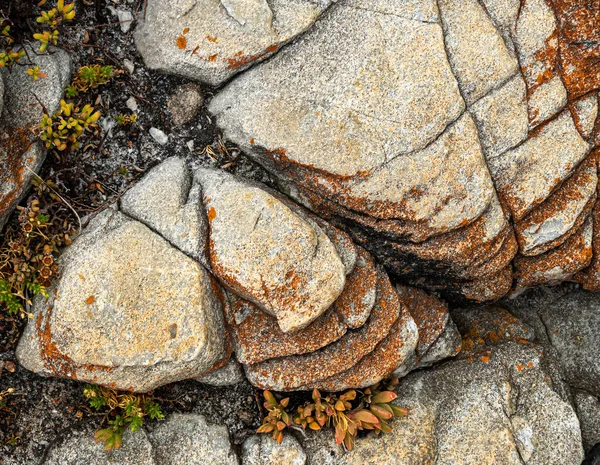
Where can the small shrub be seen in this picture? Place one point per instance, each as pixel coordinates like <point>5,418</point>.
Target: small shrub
<point>90,77</point>
<point>127,409</point>
<point>125,120</point>
<point>8,56</point>
<point>52,19</point>
<point>36,73</point>
<point>29,247</point>
<point>63,129</point>
<point>346,414</point>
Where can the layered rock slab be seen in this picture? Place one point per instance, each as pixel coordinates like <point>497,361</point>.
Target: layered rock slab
<point>129,311</point>
<point>212,40</point>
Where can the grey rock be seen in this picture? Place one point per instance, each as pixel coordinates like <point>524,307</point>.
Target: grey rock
<point>167,200</point>
<point>571,324</point>
<point>266,253</point>
<point>159,136</point>
<point>185,103</point>
<point>80,448</point>
<point>264,450</point>
<point>24,100</point>
<point>588,411</point>
<point>222,38</point>
<point>230,374</point>
<point>128,311</point>
<point>447,345</point>
<point>471,412</point>
<point>191,440</point>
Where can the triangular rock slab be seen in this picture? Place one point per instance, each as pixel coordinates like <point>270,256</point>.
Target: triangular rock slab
<point>291,373</point>
<point>168,202</point>
<point>265,253</point>
<point>129,311</point>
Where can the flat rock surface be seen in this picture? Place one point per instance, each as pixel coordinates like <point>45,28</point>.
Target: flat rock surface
<point>572,322</point>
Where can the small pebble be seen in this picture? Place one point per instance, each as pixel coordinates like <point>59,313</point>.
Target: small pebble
<point>159,136</point>
<point>129,66</point>
<point>132,104</point>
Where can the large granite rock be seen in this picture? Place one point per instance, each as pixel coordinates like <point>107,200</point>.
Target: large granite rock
<point>212,40</point>
<point>306,308</point>
<point>24,101</point>
<point>129,311</point>
<point>422,127</point>
<point>499,407</point>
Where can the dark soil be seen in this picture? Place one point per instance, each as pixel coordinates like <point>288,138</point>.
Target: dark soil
<point>42,410</point>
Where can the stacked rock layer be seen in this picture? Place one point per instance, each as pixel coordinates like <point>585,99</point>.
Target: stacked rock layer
<point>453,139</point>
<point>141,300</point>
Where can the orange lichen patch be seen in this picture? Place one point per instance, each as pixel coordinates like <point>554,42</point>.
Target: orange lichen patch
<point>14,144</point>
<point>90,300</point>
<point>428,312</point>
<point>485,358</point>
<point>181,43</point>
<point>213,58</point>
<point>290,373</point>
<point>212,214</point>
<point>579,35</point>
<point>212,39</point>
<point>240,60</point>
<point>497,262</point>
<point>355,303</point>
<point>374,367</point>
<point>258,336</point>
<point>558,264</point>
<point>520,367</point>
<point>574,190</point>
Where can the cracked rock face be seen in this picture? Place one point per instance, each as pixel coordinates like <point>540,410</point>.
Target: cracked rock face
<point>212,40</point>
<point>435,132</point>
<point>138,304</point>
<point>22,108</point>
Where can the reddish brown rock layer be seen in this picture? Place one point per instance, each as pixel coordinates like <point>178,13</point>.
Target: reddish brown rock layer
<point>290,373</point>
